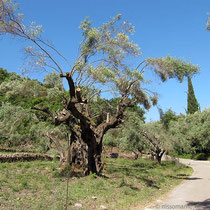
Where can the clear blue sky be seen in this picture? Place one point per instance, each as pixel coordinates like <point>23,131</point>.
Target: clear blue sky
<point>162,27</point>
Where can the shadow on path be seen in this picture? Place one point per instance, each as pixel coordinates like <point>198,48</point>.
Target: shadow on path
<point>200,205</point>
<point>192,178</point>
<point>184,177</point>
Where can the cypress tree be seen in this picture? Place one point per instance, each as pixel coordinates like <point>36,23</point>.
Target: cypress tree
<point>192,103</point>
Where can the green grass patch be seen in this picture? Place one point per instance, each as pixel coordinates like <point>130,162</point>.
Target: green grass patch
<point>126,183</point>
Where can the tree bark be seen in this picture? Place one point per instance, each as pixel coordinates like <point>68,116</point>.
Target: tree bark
<point>91,160</point>
<point>158,156</point>
<point>94,145</point>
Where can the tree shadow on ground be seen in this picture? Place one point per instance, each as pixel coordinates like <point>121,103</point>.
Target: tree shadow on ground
<point>132,187</point>
<point>200,205</point>
<point>192,178</point>
<point>143,166</point>
<point>124,183</point>
<point>150,183</point>
<point>183,176</point>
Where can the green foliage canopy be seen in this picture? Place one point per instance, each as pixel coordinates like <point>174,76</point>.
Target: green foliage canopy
<point>192,132</point>
<point>167,117</point>
<point>103,56</point>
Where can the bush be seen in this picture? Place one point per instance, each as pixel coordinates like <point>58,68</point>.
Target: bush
<point>200,156</point>
<point>192,133</point>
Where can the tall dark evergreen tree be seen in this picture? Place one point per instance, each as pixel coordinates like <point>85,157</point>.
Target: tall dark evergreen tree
<point>208,23</point>
<point>192,103</point>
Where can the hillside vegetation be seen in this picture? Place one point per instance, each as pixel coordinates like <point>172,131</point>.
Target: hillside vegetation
<point>23,127</point>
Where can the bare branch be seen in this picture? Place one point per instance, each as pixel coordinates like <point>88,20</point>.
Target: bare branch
<point>33,40</point>
<point>140,64</point>
<point>144,133</point>
<point>45,110</point>
<point>96,93</point>
<point>53,48</point>
<point>22,33</point>
<point>58,145</point>
<point>13,125</point>
<point>70,83</point>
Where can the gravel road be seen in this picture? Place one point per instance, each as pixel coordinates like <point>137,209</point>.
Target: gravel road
<point>194,193</point>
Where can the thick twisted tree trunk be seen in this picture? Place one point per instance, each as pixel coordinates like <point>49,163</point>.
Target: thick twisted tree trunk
<point>85,148</point>
<point>158,155</point>
<point>86,157</point>
<point>95,164</point>
<point>77,156</point>
<point>91,160</point>
<point>94,145</point>
<point>84,152</point>
<point>157,151</point>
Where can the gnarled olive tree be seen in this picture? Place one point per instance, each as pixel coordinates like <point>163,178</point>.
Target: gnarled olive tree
<point>100,66</point>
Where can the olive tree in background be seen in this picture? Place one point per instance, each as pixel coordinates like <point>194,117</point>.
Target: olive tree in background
<point>151,138</point>
<point>192,132</point>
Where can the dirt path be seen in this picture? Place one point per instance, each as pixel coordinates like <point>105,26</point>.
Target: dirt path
<point>194,193</point>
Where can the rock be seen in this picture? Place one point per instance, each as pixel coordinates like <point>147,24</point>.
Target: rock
<point>159,201</point>
<point>114,155</point>
<point>78,205</point>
